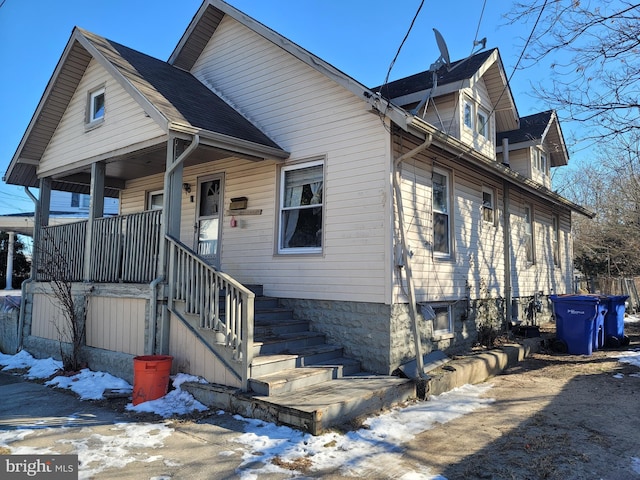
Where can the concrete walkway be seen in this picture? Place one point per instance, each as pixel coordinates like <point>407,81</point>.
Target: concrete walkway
<point>114,444</point>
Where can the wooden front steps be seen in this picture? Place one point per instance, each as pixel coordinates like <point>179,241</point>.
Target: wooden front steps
<point>298,379</point>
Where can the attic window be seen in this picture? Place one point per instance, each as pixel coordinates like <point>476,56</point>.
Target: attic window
<point>96,106</point>
<point>468,115</point>
<point>483,120</point>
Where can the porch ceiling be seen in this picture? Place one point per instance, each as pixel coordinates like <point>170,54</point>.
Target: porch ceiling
<point>142,163</point>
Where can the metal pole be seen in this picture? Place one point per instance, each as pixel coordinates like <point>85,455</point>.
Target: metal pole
<point>10,251</point>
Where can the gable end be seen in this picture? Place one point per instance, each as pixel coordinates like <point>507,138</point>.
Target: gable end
<point>196,37</point>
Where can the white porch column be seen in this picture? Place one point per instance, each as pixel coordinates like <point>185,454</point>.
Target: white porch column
<point>41,219</point>
<point>96,210</point>
<point>10,251</point>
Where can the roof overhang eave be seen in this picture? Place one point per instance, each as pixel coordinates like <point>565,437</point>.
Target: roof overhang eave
<point>455,146</point>
<point>232,144</point>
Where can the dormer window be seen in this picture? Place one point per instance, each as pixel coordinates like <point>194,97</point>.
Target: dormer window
<point>483,123</point>
<point>540,161</point>
<point>95,108</point>
<point>468,115</point>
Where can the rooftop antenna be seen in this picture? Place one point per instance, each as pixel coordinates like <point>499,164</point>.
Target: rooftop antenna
<point>442,61</point>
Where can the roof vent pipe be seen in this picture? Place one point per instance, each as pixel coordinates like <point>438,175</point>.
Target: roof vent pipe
<point>505,152</point>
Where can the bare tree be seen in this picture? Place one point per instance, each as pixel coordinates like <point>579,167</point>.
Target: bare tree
<point>597,81</point>
<point>610,186</point>
<point>56,268</point>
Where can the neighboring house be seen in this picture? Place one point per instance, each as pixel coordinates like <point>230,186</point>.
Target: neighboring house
<point>247,161</point>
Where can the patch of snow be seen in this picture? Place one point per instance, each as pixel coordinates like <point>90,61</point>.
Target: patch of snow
<point>635,464</point>
<point>89,385</point>
<point>631,356</point>
<point>618,375</point>
<point>97,453</point>
<point>368,452</point>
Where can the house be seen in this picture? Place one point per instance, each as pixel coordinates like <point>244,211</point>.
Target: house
<point>278,217</point>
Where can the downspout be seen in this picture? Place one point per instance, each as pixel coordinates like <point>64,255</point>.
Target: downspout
<point>506,229</point>
<point>153,300</point>
<point>405,250</point>
<point>23,287</point>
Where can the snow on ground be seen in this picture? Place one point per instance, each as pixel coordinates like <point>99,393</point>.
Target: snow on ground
<point>372,451</point>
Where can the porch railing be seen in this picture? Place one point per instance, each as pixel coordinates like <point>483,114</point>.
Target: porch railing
<point>60,252</point>
<point>221,304</point>
<point>124,249</point>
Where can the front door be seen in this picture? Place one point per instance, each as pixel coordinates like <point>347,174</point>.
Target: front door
<point>208,228</point>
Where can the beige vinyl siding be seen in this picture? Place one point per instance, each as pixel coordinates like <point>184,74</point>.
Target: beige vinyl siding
<point>48,320</point>
<point>116,324</point>
<point>313,118</point>
<point>191,356</point>
<point>133,198</point>
<point>445,115</point>
<point>520,161</point>
<point>477,248</point>
<point>542,275</point>
<point>125,124</point>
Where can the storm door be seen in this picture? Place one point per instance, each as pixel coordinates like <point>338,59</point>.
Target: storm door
<point>208,227</point>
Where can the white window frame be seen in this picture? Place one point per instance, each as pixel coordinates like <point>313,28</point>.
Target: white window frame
<point>468,116</point>
<point>482,125</point>
<point>529,233</point>
<point>490,207</point>
<point>150,195</point>
<point>555,239</point>
<point>91,107</point>
<point>437,211</point>
<point>281,209</point>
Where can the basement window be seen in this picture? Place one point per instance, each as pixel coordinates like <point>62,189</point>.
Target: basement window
<point>96,107</point>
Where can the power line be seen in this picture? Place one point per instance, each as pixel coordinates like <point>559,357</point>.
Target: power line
<point>386,79</point>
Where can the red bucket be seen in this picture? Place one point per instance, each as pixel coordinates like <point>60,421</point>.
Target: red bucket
<point>150,377</point>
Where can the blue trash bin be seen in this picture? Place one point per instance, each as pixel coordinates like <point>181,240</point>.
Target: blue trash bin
<point>614,321</point>
<point>577,320</point>
<point>598,325</point>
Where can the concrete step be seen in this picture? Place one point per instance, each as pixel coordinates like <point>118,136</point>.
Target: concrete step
<point>344,367</point>
<point>303,357</point>
<point>288,381</point>
<point>286,343</point>
<point>271,328</point>
<point>313,409</point>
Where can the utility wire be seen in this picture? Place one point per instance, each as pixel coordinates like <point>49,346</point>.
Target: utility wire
<point>386,79</point>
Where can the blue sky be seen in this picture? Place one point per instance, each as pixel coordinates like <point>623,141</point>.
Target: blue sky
<point>360,37</point>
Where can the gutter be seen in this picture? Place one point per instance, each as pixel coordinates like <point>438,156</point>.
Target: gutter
<point>405,251</point>
<point>454,146</point>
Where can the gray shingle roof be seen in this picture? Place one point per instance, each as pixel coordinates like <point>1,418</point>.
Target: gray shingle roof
<point>177,94</point>
<point>532,127</point>
<point>460,70</point>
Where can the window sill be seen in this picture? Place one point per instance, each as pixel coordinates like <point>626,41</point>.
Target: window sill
<point>437,336</point>
<point>92,125</point>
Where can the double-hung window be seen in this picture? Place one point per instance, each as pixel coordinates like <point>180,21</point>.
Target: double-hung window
<point>488,208</point>
<point>468,114</point>
<point>555,239</point>
<point>483,123</point>
<point>528,234</point>
<point>441,213</point>
<point>301,208</point>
